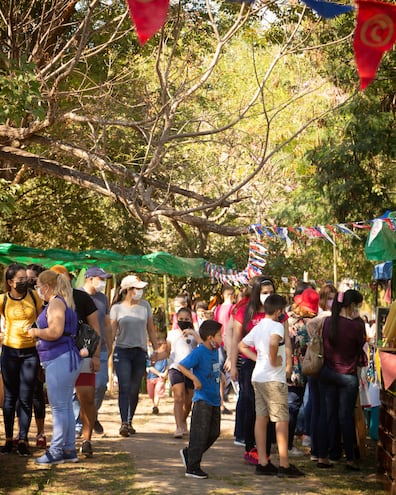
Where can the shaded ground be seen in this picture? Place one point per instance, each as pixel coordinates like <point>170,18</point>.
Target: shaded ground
<point>149,463</point>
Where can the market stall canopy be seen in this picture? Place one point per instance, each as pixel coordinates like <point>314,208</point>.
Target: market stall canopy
<point>112,262</point>
<point>381,243</point>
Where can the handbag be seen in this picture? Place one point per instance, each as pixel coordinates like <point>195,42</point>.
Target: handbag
<point>86,338</point>
<point>313,359</point>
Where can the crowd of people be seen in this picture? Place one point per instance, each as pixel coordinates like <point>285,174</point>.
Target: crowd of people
<point>251,341</point>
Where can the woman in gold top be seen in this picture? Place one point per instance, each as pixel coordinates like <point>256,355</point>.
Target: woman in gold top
<point>19,306</point>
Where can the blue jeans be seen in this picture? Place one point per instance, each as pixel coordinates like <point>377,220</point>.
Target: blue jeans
<point>129,365</point>
<point>60,384</point>
<point>338,394</point>
<point>19,369</point>
<point>102,377</point>
<point>295,397</point>
<point>204,431</point>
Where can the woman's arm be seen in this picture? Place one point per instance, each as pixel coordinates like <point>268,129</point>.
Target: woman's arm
<point>56,322</point>
<point>236,338</point>
<point>152,333</point>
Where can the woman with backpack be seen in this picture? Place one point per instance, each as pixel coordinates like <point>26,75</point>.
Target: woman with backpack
<point>19,307</point>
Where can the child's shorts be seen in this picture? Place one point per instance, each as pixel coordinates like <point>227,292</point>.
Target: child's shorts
<point>156,387</point>
<point>271,400</point>
<point>176,376</point>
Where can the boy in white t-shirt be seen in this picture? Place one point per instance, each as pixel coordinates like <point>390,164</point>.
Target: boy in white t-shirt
<point>270,386</point>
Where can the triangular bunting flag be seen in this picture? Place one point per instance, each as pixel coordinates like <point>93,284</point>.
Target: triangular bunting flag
<point>148,16</point>
<point>327,9</point>
<point>375,34</point>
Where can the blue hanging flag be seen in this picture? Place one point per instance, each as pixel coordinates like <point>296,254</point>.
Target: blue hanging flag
<point>328,9</point>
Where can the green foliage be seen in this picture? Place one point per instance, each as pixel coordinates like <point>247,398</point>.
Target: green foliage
<point>20,94</point>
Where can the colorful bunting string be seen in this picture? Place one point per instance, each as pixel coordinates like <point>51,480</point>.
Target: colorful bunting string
<point>259,234</point>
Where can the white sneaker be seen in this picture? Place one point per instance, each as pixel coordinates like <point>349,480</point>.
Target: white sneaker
<point>295,452</point>
<point>306,441</point>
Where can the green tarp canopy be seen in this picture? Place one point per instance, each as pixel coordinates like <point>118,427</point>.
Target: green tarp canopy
<point>381,244</point>
<point>110,261</point>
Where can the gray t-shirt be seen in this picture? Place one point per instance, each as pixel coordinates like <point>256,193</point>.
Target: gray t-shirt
<point>132,324</point>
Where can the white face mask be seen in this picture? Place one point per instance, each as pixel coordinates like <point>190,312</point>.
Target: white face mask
<point>100,285</point>
<point>263,298</point>
<point>137,295</point>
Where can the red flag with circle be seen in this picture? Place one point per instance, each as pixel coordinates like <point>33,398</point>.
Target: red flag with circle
<point>374,35</point>
<point>148,16</point>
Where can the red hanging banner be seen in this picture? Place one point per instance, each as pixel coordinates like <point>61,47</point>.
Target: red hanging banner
<point>148,16</point>
<point>375,34</point>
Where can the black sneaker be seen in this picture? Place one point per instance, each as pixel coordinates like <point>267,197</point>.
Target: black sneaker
<point>183,455</point>
<point>7,449</point>
<point>196,473</point>
<point>155,410</point>
<point>289,472</point>
<point>23,450</point>
<point>267,470</point>
<point>98,428</point>
<point>86,448</point>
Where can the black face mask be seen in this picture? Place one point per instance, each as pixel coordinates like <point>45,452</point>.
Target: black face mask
<point>183,325</point>
<point>31,285</point>
<point>21,287</point>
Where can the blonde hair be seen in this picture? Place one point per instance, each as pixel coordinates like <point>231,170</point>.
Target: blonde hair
<point>60,284</point>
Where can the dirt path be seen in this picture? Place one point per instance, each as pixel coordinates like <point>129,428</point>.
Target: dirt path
<point>155,454</point>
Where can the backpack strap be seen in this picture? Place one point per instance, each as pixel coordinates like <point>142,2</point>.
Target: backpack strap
<point>4,304</point>
<point>34,300</point>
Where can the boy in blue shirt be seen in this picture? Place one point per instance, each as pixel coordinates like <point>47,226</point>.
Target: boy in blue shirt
<point>203,368</point>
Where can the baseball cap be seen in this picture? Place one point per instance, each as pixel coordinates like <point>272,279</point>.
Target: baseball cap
<point>95,271</point>
<point>132,281</point>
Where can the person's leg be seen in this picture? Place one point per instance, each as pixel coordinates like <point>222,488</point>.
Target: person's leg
<point>260,433</point>
<point>199,434</point>
<point>315,412</point>
<point>282,434</point>
<point>348,390</point>
<point>247,397</point>
<point>214,426</point>
<point>188,395</point>
<point>10,367</point>
<point>60,385</point>
<point>123,367</point>
<point>295,397</point>
<point>159,391</point>
<point>137,372</point>
<point>86,397</point>
<point>178,392</point>
<point>39,408</point>
<point>102,378</point>
<point>76,412</point>
<point>27,383</point>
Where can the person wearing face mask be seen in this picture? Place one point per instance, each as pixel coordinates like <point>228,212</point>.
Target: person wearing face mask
<point>131,320</point>
<point>344,336</point>
<point>246,317</point>
<point>55,331</point>
<point>85,384</point>
<point>19,307</point>
<point>94,285</point>
<point>32,273</point>
<point>180,342</point>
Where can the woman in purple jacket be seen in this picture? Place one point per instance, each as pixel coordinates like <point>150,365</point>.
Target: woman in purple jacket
<point>56,328</point>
